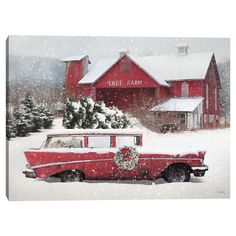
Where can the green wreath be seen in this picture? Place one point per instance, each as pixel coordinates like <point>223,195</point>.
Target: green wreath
<point>126,158</point>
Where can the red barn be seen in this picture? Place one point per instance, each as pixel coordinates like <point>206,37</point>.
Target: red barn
<point>181,88</point>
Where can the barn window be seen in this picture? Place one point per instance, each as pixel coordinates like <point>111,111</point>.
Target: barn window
<point>185,89</point>
<point>125,66</point>
<point>157,93</point>
<point>93,93</point>
<point>207,97</point>
<point>211,118</point>
<point>181,50</point>
<point>205,118</point>
<point>215,99</point>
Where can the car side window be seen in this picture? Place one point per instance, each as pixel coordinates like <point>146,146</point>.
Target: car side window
<point>65,142</point>
<point>99,141</point>
<point>122,141</point>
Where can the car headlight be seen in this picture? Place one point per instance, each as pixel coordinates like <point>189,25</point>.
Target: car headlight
<point>28,166</point>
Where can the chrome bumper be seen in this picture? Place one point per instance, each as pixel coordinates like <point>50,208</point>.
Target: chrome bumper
<point>29,173</point>
<point>199,170</point>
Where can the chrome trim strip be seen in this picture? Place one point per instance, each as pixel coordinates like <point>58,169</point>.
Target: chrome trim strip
<point>172,158</point>
<point>68,162</point>
<point>110,159</point>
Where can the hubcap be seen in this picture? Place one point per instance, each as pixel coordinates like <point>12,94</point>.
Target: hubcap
<point>178,175</point>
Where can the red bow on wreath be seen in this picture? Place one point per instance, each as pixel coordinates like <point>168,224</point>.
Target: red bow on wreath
<point>126,153</point>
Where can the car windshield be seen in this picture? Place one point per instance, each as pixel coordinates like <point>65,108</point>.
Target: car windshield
<point>65,142</point>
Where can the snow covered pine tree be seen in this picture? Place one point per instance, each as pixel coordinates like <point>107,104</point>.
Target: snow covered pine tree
<point>27,118</point>
<point>33,113</point>
<point>46,116</point>
<point>70,117</point>
<point>41,117</point>
<point>10,124</point>
<point>23,121</point>
<point>87,114</point>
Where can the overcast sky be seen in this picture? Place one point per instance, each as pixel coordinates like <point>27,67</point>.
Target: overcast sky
<point>106,47</point>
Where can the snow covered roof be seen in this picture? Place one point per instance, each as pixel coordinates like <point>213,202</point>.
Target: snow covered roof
<point>175,67</point>
<point>182,45</point>
<point>74,58</point>
<point>179,104</point>
<point>148,69</point>
<point>95,131</point>
<point>161,68</point>
<point>98,70</point>
<point>101,67</point>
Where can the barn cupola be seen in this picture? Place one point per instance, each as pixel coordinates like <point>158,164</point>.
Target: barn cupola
<point>76,68</point>
<point>123,52</point>
<point>183,49</point>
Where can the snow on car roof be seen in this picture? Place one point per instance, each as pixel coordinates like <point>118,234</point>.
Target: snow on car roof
<point>161,68</point>
<point>179,104</point>
<point>74,58</point>
<point>176,67</point>
<point>96,132</point>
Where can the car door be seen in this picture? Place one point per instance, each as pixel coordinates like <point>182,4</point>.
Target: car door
<point>122,141</point>
<point>100,165</point>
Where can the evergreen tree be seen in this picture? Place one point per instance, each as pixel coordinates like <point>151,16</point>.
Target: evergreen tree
<point>23,122</point>
<point>87,114</point>
<point>28,102</point>
<point>70,117</point>
<point>37,121</point>
<point>28,118</point>
<point>39,116</point>
<point>10,125</point>
<point>86,118</point>
<point>101,113</point>
<point>46,116</point>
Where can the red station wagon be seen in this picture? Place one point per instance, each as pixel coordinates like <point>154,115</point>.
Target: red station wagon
<point>75,155</point>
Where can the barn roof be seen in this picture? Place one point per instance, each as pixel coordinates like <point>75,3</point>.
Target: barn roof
<point>98,70</point>
<point>162,68</point>
<point>104,65</point>
<point>175,67</point>
<point>179,104</point>
<point>74,58</point>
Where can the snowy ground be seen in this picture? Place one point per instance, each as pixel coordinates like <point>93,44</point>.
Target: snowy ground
<point>215,184</point>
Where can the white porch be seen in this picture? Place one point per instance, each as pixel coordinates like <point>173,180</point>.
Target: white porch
<point>188,111</point>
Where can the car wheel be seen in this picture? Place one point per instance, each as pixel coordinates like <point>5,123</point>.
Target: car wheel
<point>71,176</point>
<point>177,173</point>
